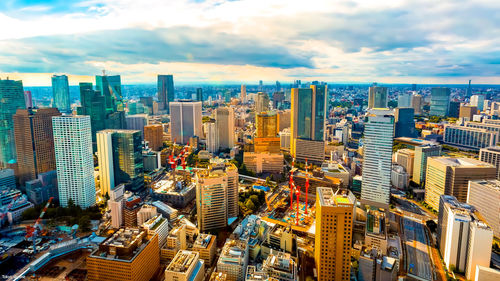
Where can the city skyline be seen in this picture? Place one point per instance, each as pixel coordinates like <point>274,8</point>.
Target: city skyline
<point>218,41</point>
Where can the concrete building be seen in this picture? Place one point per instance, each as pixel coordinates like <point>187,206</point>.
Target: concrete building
<point>416,103</point>
<point>206,246</point>
<point>376,231</point>
<point>233,260</point>
<point>406,159</point>
<point>377,150</point>
<point>153,134</point>
<point>137,122</point>
<point>279,238</point>
<point>129,254</point>
<point>450,176</point>
<point>145,213</point>
<point>422,152</point>
<point>186,266</point>
<point>176,241</point>
<point>491,155</point>
<point>484,273</point>
<point>263,162</point>
<point>399,177</point>
<point>285,139</point>
<point>185,120</point>
<point>178,193</point>
<point>224,123</point>
<point>467,112</point>
<point>377,97</point>
<point>484,195</point>
<point>243,93</point>
<point>261,102</point>
<point>477,101</point>
<point>42,188</point>
<point>377,268</point>
<point>7,178</point>
<point>216,196</point>
<point>74,161</point>
<point>157,225</point>
<point>469,137</point>
<point>34,142</point>
<point>404,99</point>
<point>281,266</point>
<point>333,238</point>
<point>116,204</point>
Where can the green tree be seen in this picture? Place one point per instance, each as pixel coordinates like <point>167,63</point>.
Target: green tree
<point>250,205</point>
<point>255,200</point>
<point>84,223</point>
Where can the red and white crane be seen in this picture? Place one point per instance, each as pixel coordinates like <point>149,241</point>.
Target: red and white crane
<point>32,231</point>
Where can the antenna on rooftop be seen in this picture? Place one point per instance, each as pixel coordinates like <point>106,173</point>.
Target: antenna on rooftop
<point>103,72</point>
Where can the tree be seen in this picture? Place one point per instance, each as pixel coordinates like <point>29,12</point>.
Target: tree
<point>84,223</point>
<point>250,205</point>
<point>71,203</point>
<point>255,200</point>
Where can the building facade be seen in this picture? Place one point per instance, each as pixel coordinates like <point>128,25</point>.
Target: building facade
<point>60,91</point>
<point>166,92</point>
<point>185,120</point>
<point>440,101</point>
<point>11,99</point>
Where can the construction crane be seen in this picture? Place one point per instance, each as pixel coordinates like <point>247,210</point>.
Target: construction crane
<point>32,231</point>
<point>307,183</point>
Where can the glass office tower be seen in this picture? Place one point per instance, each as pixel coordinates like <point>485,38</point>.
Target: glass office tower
<point>165,91</point>
<point>440,101</point>
<point>11,99</point>
<point>111,88</point>
<point>60,91</point>
<point>127,158</point>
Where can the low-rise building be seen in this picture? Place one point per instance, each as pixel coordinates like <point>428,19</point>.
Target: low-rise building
<point>186,266</point>
<point>206,245</point>
<point>281,266</point>
<point>233,260</point>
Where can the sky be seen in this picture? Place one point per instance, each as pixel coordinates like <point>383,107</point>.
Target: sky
<point>217,41</point>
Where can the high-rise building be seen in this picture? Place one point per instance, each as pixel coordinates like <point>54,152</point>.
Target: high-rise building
<point>186,266</point>
<point>216,196</point>
<point>377,154</point>
<point>464,238</point>
<point>377,97</point>
<point>454,109</point>
<point>469,89</point>
<point>111,88</point>
<point>199,95</point>
<point>120,159</point>
<point>93,103</point>
<point>308,115</point>
<point>405,123</point>
<point>422,152</point>
<point>467,111</point>
<point>206,245</point>
<point>60,91</point>
<point>469,137</point>
<point>137,122</point>
<point>28,99</point>
<point>224,122</point>
<point>491,155</point>
<point>416,103</point>
<point>153,134</point>
<point>484,195</point>
<point>278,99</point>
<point>7,178</point>
<point>243,93</point>
<point>450,176</point>
<point>211,136</point>
<point>334,225</point>
<point>477,101</point>
<point>440,101</point>
<point>261,85</point>
<point>185,120</point>
<point>74,162</point>
<point>11,99</point>
<point>34,142</point>
<point>129,254</point>
<point>404,100</point>
<point>261,102</point>
<point>266,125</point>
<point>166,92</point>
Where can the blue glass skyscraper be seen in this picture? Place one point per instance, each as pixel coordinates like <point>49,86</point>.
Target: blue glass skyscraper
<point>60,91</point>
<point>440,101</point>
<point>111,88</point>
<point>11,98</point>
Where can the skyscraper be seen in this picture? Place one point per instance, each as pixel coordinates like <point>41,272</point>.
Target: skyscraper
<point>216,195</point>
<point>224,122</point>
<point>74,162</point>
<point>120,159</point>
<point>243,93</point>
<point>185,120</point>
<point>308,112</point>
<point>416,103</point>
<point>477,101</point>
<point>28,99</point>
<point>111,88</point>
<point>93,103</point>
<point>261,85</point>
<point>165,91</point>
<point>266,125</point>
<point>262,102</point>
<point>377,158</point>
<point>405,123</point>
<point>60,91</point>
<point>440,101</point>
<point>334,224</point>
<point>377,97</point>
<point>34,142</point>
<point>404,99</point>
<point>469,89</point>
<point>468,112</point>
<point>199,95</point>
<point>11,99</point>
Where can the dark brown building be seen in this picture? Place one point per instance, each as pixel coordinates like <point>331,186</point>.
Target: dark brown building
<point>34,142</point>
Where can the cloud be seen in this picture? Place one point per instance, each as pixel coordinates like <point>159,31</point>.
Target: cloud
<point>341,40</point>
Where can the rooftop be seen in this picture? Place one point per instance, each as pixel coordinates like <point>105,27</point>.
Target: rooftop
<point>183,261</point>
<point>328,198</point>
<point>462,162</point>
<point>491,184</point>
<point>125,244</point>
<point>203,240</point>
<point>233,252</point>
